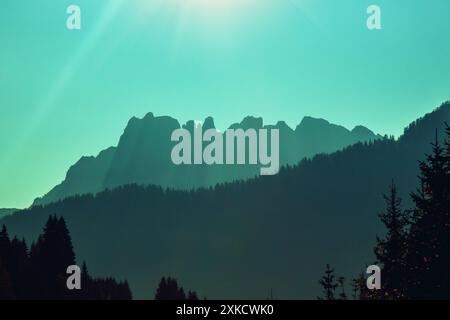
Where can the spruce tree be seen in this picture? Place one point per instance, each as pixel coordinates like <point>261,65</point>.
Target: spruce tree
<point>54,256</point>
<point>161,290</point>
<point>429,238</point>
<point>41,273</point>
<point>355,289</point>
<point>342,294</point>
<point>6,286</point>
<point>18,267</point>
<point>168,289</point>
<point>86,284</point>
<point>329,285</point>
<point>125,291</point>
<point>5,244</point>
<point>391,251</point>
<point>192,295</point>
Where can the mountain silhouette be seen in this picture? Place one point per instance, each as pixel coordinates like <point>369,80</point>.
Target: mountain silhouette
<point>239,240</point>
<point>142,156</point>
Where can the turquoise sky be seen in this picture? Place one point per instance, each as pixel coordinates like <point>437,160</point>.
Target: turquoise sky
<point>64,94</point>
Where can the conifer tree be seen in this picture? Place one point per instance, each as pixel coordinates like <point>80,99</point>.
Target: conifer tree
<point>329,284</point>
<point>342,294</point>
<point>53,258</point>
<point>192,295</point>
<point>363,292</point>
<point>391,251</point>
<point>18,267</point>
<point>6,286</point>
<point>355,289</point>
<point>125,291</point>
<point>41,273</point>
<point>86,283</point>
<point>429,238</point>
<point>168,289</point>
<point>5,244</point>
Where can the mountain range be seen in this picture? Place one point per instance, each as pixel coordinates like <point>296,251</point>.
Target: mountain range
<point>142,156</point>
<point>244,239</point>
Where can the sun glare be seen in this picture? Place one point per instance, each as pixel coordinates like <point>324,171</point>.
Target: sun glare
<point>214,11</point>
<point>217,23</point>
<point>212,5</point>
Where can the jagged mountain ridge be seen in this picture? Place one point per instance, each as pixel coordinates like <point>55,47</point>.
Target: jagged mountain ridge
<point>142,155</point>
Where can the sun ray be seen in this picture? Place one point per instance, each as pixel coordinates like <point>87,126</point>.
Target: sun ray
<point>66,75</point>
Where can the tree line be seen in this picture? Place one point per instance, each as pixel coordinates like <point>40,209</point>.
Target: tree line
<point>39,272</point>
<point>414,254</point>
<point>168,289</point>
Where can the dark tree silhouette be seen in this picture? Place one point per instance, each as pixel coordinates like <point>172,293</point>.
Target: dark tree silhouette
<point>341,283</point>
<point>19,267</point>
<point>429,238</point>
<point>4,244</point>
<point>192,295</point>
<point>355,288</point>
<point>415,254</point>
<point>329,284</point>
<point>168,289</point>
<point>391,250</point>
<point>6,287</point>
<point>53,257</point>
<point>41,273</point>
<point>87,283</point>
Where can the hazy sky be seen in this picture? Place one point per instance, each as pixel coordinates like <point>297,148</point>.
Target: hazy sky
<point>64,94</point>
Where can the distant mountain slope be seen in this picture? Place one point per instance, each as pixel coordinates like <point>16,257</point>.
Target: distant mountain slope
<point>5,212</point>
<point>143,156</point>
<point>240,240</point>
